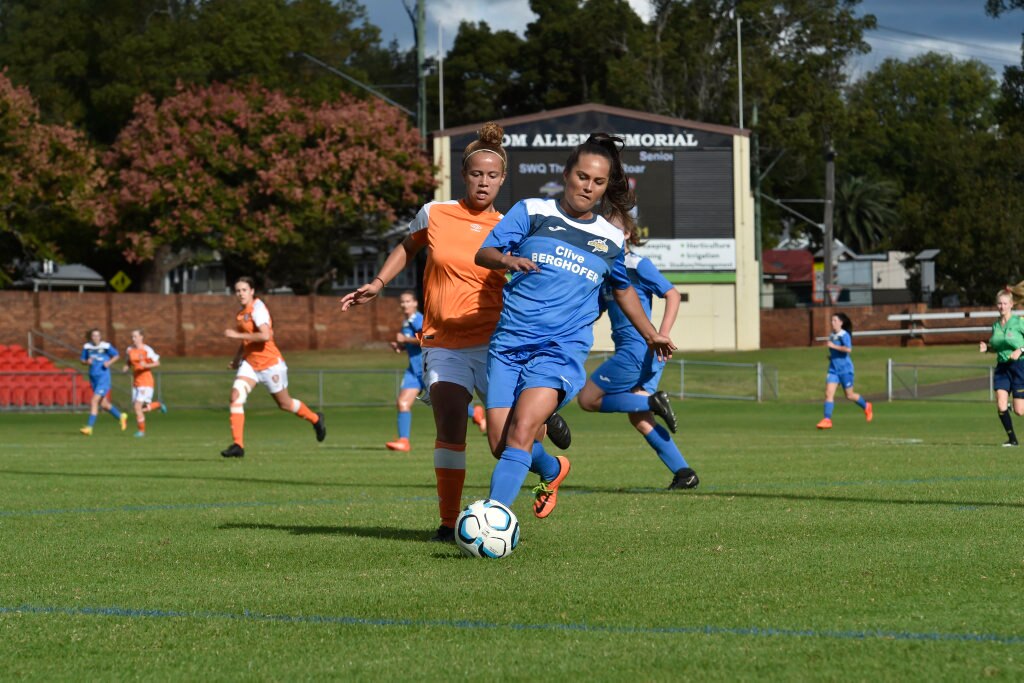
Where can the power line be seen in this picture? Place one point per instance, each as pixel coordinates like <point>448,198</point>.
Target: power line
<point>988,59</point>
<point>1012,53</point>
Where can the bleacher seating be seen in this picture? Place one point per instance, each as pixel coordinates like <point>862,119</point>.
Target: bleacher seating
<point>27,382</point>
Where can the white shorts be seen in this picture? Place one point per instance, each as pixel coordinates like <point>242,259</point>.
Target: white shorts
<point>142,394</point>
<point>465,367</point>
<point>274,378</point>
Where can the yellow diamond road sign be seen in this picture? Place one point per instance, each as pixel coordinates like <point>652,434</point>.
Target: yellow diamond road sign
<point>120,282</point>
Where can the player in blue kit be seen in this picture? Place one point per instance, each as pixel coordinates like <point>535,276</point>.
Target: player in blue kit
<point>99,356</point>
<point>559,253</point>
<point>840,369</point>
<point>407,340</point>
<point>628,381</point>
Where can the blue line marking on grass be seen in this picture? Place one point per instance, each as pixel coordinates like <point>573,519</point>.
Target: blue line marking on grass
<point>709,630</point>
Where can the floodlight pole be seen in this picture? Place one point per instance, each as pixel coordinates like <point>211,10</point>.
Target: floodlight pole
<point>830,194</point>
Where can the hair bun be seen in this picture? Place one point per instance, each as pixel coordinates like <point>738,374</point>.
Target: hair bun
<point>491,133</point>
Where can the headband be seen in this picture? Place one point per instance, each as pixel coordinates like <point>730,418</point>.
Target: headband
<point>499,152</point>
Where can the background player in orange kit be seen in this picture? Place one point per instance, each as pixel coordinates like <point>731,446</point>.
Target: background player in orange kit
<point>141,361</point>
<point>259,360</point>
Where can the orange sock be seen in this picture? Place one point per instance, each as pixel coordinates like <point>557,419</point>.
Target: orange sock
<point>450,470</point>
<point>303,411</point>
<point>237,426</point>
<point>141,424</point>
<point>155,405</point>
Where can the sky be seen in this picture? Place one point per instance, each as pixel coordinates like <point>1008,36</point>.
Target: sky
<point>906,27</point>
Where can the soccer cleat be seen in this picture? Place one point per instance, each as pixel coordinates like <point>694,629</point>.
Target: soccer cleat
<point>320,427</point>
<point>826,423</point>
<point>661,406</point>
<point>86,430</point>
<point>558,431</point>
<point>480,418</point>
<point>124,421</point>
<point>444,534</point>
<point>163,408</point>
<point>869,412</point>
<point>233,451</point>
<point>546,492</point>
<point>685,478</point>
<point>139,434</point>
<point>399,444</point>
<point>1010,444</point>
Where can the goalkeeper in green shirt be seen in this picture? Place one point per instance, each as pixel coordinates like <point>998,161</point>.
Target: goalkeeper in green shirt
<point>1007,341</point>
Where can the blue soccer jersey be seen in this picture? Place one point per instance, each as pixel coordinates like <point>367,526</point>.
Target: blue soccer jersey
<point>840,360</point>
<point>412,327</point>
<point>97,355</point>
<point>560,302</point>
<point>648,282</point>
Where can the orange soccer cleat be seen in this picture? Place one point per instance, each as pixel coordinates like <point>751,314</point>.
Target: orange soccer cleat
<point>869,412</point>
<point>546,492</point>
<point>399,444</point>
<point>826,423</point>
<point>480,418</point>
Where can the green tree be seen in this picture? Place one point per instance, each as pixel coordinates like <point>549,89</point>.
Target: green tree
<point>264,178</point>
<point>865,212</point>
<point>89,60</point>
<point>483,78</point>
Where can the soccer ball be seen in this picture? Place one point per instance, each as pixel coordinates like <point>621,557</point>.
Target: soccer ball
<point>487,528</point>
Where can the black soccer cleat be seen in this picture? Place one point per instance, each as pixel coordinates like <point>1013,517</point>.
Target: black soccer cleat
<point>661,405</point>
<point>1012,443</point>
<point>558,431</point>
<point>233,451</point>
<point>444,534</point>
<point>320,427</point>
<point>685,478</point>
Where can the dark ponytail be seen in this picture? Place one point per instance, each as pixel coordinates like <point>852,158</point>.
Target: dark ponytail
<point>618,198</point>
<point>845,320</point>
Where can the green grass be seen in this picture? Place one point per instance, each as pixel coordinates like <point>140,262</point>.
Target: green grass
<point>887,551</point>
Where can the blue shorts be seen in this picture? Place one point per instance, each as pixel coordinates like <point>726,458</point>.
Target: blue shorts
<point>510,372</point>
<point>629,369</point>
<point>1009,377</point>
<point>840,376</point>
<point>100,385</point>
<point>413,378</point>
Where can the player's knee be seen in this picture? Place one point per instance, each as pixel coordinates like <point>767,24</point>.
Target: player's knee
<point>239,393</point>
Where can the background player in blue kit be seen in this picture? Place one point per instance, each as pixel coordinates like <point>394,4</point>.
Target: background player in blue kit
<point>628,381</point>
<point>840,369</point>
<point>407,340</point>
<point>559,253</point>
<point>99,356</point>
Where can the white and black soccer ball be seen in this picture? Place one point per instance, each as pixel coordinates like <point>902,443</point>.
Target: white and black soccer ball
<point>487,528</point>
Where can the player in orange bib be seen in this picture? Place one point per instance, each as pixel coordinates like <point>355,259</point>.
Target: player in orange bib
<point>461,306</point>
<point>141,361</point>
<point>259,361</point>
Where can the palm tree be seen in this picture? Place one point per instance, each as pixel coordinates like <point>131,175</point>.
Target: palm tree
<point>865,212</point>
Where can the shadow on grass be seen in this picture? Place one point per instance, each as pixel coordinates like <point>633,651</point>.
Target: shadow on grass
<point>801,497</point>
<point>241,480</point>
<point>419,535</point>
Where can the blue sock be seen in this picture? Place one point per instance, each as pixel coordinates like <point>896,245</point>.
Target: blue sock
<point>829,405</point>
<point>404,424</point>
<point>662,443</point>
<point>115,412</point>
<point>470,413</point>
<point>544,464</point>
<point>509,475</point>
<point>624,403</point>
<point>92,420</point>
<point>862,403</point>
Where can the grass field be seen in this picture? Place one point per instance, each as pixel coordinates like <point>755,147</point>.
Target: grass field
<point>882,551</point>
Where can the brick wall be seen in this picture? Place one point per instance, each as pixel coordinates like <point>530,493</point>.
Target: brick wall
<point>800,326</point>
<point>192,324</point>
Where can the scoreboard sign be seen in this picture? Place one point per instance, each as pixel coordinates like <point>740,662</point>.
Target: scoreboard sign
<point>683,178</point>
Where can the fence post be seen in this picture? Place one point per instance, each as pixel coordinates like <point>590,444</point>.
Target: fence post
<point>320,389</point>
<point>760,372</point>
<point>682,378</point>
<point>888,379</point>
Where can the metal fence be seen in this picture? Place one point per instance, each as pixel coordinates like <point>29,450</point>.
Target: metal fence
<point>930,382</point>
